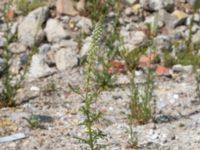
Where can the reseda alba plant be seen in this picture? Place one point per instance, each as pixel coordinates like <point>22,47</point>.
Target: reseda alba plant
<point>90,93</point>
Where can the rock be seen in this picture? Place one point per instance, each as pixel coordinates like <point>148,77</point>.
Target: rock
<point>2,42</point>
<point>65,58</point>
<point>66,7</point>
<point>85,47</point>
<point>182,69</point>
<point>167,18</point>
<point>134,39</point>
<point>23,59</point>
<point>39,68</point>
<point>121,79</point>
<point>131,2</point>
<point>194,17</point>
<point>162,71</point>
<point>180,16</point>
<point>196,38</point>
<point>163,42</point>
<point>13,137</point>
<point>14,28</point>
<point>195,117</point>
<point>154,22</point>
<point>15,66</point>
<point>171,21</point>
<point>155,5</point>
<point>30,29</point>
<point>55,31</point>
<point>2,66</point>
<point>136,7</point>
<point>17,48</point>
<point>69,7</point>
<point>128,11</point>
<point>44,48</point>
<point>85,24</point>
<point>68,43</point>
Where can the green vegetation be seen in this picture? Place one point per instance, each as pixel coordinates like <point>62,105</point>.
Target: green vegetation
<point>33,121</point>
<point>97,8</point>
<point>131,57</point>
<point>25,6</point>
<point>90,93</point>
<point>141,99</point>
<point>10,88</point>
<point>102,78</point>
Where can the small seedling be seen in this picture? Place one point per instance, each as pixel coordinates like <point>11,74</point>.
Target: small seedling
<point>133,139</point>
<point>33,121</point>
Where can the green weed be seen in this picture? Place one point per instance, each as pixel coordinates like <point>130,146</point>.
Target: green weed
<point>25,6</point>
<point>97,8</point>
<point>90,94</point>
<point>102,78</point>
<point>9,88</point>
<point>131,57</point>
<point>33,121</point>
<point>141,99</point>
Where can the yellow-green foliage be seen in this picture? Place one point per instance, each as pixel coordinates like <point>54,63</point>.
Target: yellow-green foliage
<point>25,6</point>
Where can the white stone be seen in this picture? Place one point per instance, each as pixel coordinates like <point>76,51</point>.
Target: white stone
<point>55,31</point>
<point>65,58</point>
<point>30,29</point>
<point>38,67</point>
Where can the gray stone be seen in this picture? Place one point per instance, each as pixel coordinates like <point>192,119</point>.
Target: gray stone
<point>68,43</point>
<point>69,7</point>
<point>65,58</point>
<point>85,47</point>
<point>134,39</point>
<point>129,11</point>
<point>14,28</point>
<point>155,5</point>
<point>2,42</point>
<point>163,42</point>
<point>2,66</point>
<point>30,29</point>
<point>85,24</point>
<point>196,38</point>
<point>15,66</point>
<point>195,117</point>
<point>39,68</point>
<point>131,2</point>
<point>183,69</point>
<point>44,48</point>
<point>23,59</point>
<point>55,31</point>
<point>154,22</point>
<point>170,21</point>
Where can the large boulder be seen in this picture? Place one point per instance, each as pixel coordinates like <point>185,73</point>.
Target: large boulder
<point>30,29</point>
